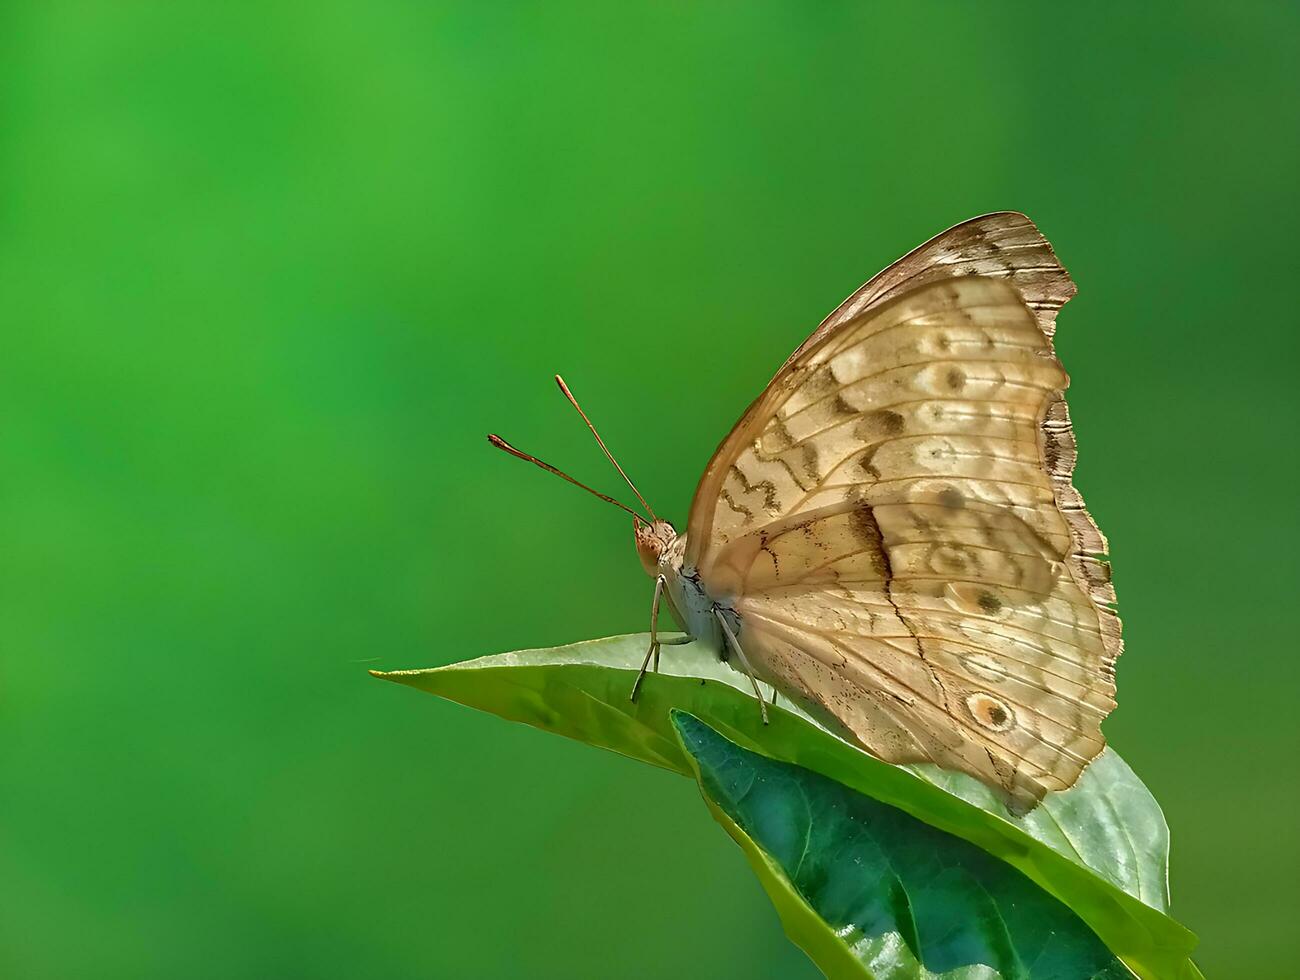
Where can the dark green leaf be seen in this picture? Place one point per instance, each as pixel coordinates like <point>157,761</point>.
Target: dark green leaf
<point>869,891</point>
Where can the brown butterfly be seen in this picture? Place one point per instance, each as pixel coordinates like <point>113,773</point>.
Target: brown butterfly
<point>889,536</point>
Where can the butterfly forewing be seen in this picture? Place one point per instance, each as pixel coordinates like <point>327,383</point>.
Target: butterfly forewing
<point>894,522</point>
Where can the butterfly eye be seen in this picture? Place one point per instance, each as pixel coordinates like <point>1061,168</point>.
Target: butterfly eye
<point>646,548</point>
<point>652,540</point>
<point>990,712</point>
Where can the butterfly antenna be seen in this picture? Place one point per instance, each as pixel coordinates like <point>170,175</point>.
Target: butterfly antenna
<point>605,449</point>
<point>503,445</point>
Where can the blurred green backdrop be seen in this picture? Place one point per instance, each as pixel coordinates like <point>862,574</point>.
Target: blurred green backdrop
<point>269,272</point>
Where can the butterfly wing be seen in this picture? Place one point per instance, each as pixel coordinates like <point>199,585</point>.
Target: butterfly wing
<point>894,522</point>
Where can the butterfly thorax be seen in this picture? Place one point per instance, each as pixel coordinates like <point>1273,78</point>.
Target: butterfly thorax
<point>663,552</point>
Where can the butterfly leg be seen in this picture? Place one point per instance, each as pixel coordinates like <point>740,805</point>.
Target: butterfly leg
<point>640,674</point>
<point>740,655</point>
<point>655,643</point>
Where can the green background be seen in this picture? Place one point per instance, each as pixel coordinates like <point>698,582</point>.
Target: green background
<point>268,273</point>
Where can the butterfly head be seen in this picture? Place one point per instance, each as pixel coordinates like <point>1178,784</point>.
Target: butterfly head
<point>653,539</point>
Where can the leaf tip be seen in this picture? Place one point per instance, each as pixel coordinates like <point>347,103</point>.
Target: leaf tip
<point>397,676</point>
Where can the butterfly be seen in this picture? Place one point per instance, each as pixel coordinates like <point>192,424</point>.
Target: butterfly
<point>890,536</point>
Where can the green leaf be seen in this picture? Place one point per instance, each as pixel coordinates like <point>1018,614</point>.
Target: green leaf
<point>868,891</point>
<point>1101,847</point>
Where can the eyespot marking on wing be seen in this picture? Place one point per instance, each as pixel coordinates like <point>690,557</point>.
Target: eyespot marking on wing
<point>989,712</point>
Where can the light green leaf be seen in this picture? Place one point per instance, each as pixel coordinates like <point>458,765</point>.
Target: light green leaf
<point>868,891</point>
<point>1101,847</point>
